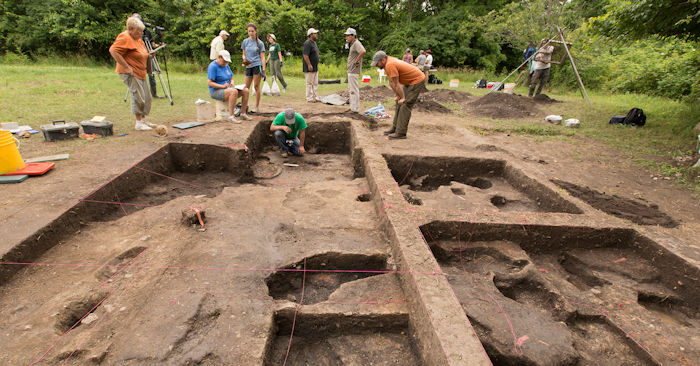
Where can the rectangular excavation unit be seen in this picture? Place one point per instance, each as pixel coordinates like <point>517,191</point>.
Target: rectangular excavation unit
<point>562,295</point>
<point>203,254</point>
<point>455,183</point>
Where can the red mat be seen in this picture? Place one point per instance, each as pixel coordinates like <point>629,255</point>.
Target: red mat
<point>34,169</point>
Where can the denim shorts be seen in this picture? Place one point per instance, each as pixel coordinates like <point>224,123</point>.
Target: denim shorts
<point>252,71</point>
<point>217,94</point>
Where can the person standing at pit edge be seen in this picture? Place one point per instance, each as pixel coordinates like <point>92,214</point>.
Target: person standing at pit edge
<point>542,65</point>
<point>407,83</point>
<point>357,51</point>
<point>274,57</point>
<point>130,53</point>
<point>310,65</point>
<point>408,57</point>
<point>217,45</point>
<point>428,64</point>
<point>253,56</point>
<point>290,132</point>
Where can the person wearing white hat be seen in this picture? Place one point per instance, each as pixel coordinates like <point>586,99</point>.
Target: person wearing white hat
<point>357,50</point>
<point>274,57</point>
<point>217,45</point>
<point>221,86</point>
<point>310,65</point>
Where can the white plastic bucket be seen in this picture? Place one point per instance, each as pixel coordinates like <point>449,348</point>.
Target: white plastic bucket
<point>508,88</point>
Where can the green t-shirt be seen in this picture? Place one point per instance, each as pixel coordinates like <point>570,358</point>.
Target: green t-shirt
<point>299,124</point>
<point>274,48</point>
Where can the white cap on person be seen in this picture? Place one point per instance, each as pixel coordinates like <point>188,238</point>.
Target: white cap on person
<point>224,33</point>
<point>289,116</point>
<point>351,32</point>
<point>380,55</point>
<point>311,31</point>
<point>225,55</point>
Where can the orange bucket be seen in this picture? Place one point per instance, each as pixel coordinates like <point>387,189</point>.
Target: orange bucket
<point>10,159</point>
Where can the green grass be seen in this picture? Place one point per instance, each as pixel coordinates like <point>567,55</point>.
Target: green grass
<point>37,93</point>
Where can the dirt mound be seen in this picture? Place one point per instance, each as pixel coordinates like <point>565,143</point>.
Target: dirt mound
<point>430,106</point>
<point>501,105</point>
<point>445,96</point>
<point>624,208</point>
<point>368,93</point>
<point>544,98</point>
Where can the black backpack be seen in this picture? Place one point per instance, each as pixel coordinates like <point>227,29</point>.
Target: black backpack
<point>635,117</point>
<point>482,84</point>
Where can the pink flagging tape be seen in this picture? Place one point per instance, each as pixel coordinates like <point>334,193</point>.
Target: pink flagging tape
<point>101,285</point>
<point>171,178</point>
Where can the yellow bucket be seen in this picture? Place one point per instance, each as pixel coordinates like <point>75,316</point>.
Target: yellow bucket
<point>10,159</point>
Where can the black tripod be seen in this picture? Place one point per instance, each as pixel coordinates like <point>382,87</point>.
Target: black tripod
<point>155,67</point>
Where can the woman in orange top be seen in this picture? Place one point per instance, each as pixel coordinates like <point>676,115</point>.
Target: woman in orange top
<point>131,55</point>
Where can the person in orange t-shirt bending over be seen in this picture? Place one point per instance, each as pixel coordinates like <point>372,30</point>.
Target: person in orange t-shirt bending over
<point>131,56</point>
<point>407,83</point>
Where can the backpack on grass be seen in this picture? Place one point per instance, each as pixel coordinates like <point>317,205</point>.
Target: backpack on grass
<point>635,117</point>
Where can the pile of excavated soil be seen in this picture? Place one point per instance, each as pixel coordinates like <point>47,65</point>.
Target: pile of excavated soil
<point>368,93</point>
<point>624,208</point>
<point>445,96</point>
<point>544,98</point>
<point>501,105</point>
<point>430,106</point>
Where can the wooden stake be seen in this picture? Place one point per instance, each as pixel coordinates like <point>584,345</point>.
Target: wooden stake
<point>573,65</point>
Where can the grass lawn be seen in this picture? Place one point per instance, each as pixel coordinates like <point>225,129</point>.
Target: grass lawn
<point>36,94</point>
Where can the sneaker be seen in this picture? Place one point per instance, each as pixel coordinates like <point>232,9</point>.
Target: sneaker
<point>389,132</point>
<point>149,124</point>
<point>140,126</point>
<point>253,110</point>
<point>245,117</point>
<point>285,154</point>
<point>232,119</point>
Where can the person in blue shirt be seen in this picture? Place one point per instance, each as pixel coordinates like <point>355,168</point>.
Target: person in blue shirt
<point>253,56</point>
<point>221,86</point>
<point>290,132</point>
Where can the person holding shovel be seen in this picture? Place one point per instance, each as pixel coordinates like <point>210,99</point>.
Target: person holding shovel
<point>407,82</point>
<point>542,63</point>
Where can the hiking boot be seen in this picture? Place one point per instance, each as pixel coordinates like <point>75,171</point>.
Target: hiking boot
<point>157,96</point>
<point>245,117</point>
<point>141,126</point>
<point>397,136</point>
<point>285,154</point>
<point>389,132</point>
<point>232,119</point>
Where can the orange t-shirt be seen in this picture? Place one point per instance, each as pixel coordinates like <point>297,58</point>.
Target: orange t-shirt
<point>134,53</point>
<point>407,73</point>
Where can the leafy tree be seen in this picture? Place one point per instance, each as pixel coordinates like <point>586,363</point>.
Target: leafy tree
<point>641,18</point>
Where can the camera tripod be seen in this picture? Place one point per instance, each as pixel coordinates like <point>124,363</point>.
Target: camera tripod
<point>155,67</point>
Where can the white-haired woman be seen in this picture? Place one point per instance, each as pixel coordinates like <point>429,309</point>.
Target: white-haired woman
<point>131,55</point>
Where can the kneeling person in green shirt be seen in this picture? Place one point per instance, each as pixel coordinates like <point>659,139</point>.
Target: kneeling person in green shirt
<point>290,131</point>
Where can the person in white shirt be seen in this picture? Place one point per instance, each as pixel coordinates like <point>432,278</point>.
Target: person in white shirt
<point>217,45</point>
<point>542,64</point>
<point>428,64</point>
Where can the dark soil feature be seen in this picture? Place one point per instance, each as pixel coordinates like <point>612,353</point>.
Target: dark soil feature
<point>365,197</point>
<point>73,312</point>
<point>544,98</point>
<point>118,262</point>
<point>324,274</point>
<point>501,105</point>
<point>411,199</point>
<point>624,208</point>
<point>333,339</point>
<point>445,96</point>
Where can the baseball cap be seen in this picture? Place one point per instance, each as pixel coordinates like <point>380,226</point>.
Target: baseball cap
<point>289,116</point>
<point>225,55</point>
<point>351,32</point>
<point>224,33</point>
<point>427,51</point>
<point>380,55</point>
<point>311,31</point>
<point>272,36</point>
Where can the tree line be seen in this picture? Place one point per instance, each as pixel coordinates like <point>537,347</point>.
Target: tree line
<point>609,36</point>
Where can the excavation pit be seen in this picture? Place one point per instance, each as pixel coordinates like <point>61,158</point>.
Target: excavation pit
<point>472,184</point>
<point>546,295</point>
<point>334,339</point>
